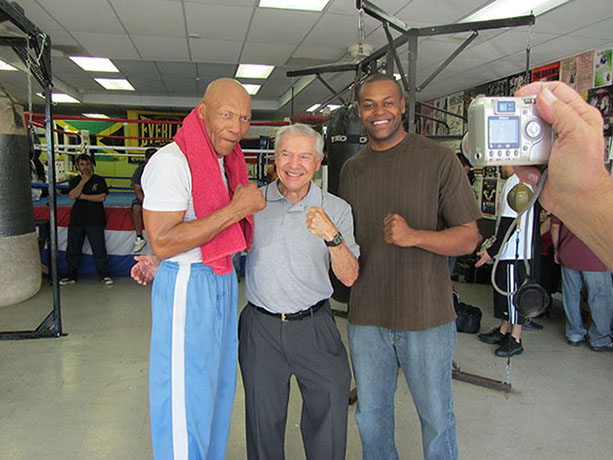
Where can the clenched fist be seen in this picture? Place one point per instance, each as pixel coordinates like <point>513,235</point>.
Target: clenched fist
<point>397,231</point>
<point>319,224</point>
<point>248,199</point>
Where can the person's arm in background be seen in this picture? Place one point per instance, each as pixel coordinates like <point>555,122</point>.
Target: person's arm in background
<point>138,190</point>
<point>578,189</point>
<point>77,190</point>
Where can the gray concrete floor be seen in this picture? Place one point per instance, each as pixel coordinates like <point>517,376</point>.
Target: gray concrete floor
<point>84,396</point>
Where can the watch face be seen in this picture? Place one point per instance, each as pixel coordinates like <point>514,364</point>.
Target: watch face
<point>338,239</point>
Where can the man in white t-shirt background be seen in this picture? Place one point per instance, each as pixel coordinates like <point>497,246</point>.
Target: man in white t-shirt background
<point>510,271</point>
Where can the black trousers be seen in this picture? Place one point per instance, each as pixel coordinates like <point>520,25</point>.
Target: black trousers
<point>76,237</point>
<point>510,275</point>
<point>270,352</point>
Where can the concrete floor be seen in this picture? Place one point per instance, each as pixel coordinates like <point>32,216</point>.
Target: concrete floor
<point>84,396</point>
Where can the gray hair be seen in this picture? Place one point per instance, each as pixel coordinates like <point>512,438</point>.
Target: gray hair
<point>300,129</point>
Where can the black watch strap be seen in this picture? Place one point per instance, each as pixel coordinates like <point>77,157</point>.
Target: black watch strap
<point>336,241</point>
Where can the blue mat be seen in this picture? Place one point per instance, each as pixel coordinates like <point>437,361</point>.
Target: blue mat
<point>112,199</point>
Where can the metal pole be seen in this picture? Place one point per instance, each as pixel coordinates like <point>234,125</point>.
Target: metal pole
<point>413,40</point>
<point>57,317</point>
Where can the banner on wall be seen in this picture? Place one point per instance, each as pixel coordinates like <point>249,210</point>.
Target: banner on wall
<point>517,81</point>
<point>602,99</point>
<point>488,197</point>
<point>152,134</point>
<point>568,71</point>
<point>427,125</point>
<point>549,72</point>
<point>498,88</point>
<point>455,104</point>
<point>439,128</point>
<point>585,72</point>
<point>602,68</point>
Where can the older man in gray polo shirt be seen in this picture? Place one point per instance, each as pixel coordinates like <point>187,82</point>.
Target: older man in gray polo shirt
<point>287,328</point>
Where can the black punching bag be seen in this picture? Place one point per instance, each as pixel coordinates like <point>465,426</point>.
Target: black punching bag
<point>344,138</point>
<point>20,273</point>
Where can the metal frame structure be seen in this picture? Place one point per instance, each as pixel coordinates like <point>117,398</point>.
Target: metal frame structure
<point>34,49</point>
<point>411,35</point>
<point>369,65</point>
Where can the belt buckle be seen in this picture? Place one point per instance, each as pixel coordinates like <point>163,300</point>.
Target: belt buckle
<point>283,317</point>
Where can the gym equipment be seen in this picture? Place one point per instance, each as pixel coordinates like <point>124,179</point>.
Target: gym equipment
<point>20,274</point>
<point>34,49</point>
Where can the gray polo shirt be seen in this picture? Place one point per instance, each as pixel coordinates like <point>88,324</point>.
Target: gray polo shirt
<point>287,267</point>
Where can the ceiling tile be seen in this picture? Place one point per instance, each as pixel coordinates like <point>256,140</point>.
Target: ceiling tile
<point>265,53</point>
<point>113,46</point>
<point>218,22</point>
<point>221,51</point>
<point>280,26</point>
<point>93,16</point>
<point>147,17</point>
<point>161,48</point>
<point>137,68</point>
<point>178,69</point>
<point>336,29</point>
<point>216,70</point>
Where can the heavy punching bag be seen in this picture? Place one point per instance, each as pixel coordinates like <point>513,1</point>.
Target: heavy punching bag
<point>20,273</point>
<point>344,138</point>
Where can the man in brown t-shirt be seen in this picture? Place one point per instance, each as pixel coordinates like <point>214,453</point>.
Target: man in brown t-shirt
<point>413,207</point>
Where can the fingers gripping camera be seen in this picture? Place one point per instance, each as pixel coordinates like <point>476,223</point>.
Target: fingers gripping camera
<point>506,131</point>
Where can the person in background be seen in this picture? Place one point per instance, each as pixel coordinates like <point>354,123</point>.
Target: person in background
<point>582,269</point>
<point>510,271</point>
<point>87,218</point>
<point>137,203</point>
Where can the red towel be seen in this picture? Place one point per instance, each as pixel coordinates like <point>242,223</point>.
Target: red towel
<point>210,193</point>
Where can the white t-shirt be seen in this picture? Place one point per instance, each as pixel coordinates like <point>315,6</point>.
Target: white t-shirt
<point>520,242</point>
<point>167,185</point>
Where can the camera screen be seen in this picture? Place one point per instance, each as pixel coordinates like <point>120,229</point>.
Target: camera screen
<point>503,132</point>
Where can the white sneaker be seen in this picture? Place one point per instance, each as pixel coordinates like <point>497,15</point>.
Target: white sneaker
<point>139,244</point>
<point>66,281</point>
<point>107,280</point>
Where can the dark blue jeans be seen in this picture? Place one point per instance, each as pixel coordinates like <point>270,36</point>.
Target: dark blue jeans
<point>95,236</point>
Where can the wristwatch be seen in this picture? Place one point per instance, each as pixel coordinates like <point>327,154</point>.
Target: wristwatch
<point>337,240</point>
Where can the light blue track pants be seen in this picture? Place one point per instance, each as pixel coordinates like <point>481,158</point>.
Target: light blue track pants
<point>192,362</point>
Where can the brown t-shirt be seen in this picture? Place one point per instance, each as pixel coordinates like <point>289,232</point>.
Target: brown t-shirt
<point>405,289</point>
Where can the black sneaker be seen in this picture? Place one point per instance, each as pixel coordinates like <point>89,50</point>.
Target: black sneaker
<point>493,337</point>
<point>509,348</point>
<point>530,325</point>
<point>607,347</point>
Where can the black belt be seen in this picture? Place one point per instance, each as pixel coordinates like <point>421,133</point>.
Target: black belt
<point>293,316</point>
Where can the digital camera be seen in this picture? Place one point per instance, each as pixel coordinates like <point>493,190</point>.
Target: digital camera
<point>506,131</point>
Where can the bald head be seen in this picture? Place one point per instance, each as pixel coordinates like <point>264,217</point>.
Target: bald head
<point>226,111</point>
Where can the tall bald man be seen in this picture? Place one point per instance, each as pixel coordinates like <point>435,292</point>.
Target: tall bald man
<point>197,211</point>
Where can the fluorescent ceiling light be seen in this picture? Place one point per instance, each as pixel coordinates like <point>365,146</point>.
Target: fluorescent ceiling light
<point>313,108</point>
<point>6,66</point>
<point>332,107</point>
<point>512,8</point>
<point>251,89</point>
<point>305,5</point>
<point>94,64</point>
<point>61,98</point>
<point>254,71</point>
<point>120,84</point>
<point>95,115</point>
